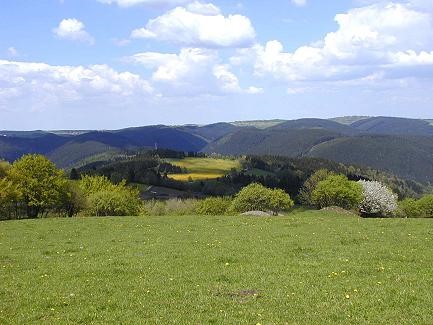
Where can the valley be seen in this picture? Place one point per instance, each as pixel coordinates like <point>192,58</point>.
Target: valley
<point>396,145</point>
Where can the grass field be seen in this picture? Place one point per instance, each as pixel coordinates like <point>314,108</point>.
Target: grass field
<point>308,268</point>
<point>203,168</point>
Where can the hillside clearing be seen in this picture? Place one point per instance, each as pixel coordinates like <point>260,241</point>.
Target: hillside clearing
<point>203,168</point>
<point>311,267</point>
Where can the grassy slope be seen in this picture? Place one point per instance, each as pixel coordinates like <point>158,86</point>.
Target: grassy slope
<point>203,168</point>
<point>310,268</point>
<point>259,124</point>
<point>347,120</point>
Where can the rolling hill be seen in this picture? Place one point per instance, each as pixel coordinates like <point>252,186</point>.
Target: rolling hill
<point>408,157</point>
<point>284,142</point>
<point>210,132</point>
<point>68,150</point>
<point>12,147</point>
<point>401,146</point>
<point>316,124</point>
<point>162,136</point>
<point>394,126</point>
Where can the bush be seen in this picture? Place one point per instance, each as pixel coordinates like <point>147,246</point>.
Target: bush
<point>108,199</point>
<point>4,167</point>
<point>214,206</point>
<point>121,202</point>
<point>256,197</point>
<point>378,200</point>
<point>310,185</point>
<point>93,184</point>
<point>337,190</point>
<point>411,208</point>
<point>73,200</point>
<point>425,205</point>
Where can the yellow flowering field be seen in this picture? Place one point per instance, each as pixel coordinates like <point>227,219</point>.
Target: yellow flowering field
<point>203,168</point>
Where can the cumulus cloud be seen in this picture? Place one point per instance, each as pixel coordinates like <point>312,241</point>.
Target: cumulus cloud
<point>131,3</point>
<point>378,39</point>
<point>193,71</point>
<point>74,30</point>
<point>203,8</point>
<point>299,3</point>
<point>199,25</point>
<point>40,85</point>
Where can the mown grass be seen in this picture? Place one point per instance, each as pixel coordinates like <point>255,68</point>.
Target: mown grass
<point>307,268</point>
<point>203,168</point>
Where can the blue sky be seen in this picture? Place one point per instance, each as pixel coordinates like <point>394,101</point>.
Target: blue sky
<point>80,64</point>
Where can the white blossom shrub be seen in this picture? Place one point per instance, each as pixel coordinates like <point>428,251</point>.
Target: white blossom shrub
<point>378,200</point>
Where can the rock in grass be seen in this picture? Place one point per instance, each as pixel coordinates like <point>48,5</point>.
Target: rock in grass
<point>340,211</point>
<point>257,214</point>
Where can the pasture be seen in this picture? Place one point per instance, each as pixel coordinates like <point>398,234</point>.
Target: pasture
<point>203,168</point>
<point>310,267</point>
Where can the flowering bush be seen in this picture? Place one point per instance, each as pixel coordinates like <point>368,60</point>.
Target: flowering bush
<point>378,200</point>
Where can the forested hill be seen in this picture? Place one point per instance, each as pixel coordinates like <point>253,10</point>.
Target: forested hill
<point>401,146</point>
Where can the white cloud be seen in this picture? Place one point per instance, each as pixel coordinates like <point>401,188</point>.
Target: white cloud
<point>39,85</point>
<point>199,25</point>
<point>131,3</point>
<point>12,52</point>
<point>229,82</point>
<point>299,3</point>
<point>121,42</point>
<point>73,29</point>
<point>376,39</point>
<point>203,8</point>
<point>193,71</point>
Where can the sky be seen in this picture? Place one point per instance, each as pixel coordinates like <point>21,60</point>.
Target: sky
<point>109,64</point>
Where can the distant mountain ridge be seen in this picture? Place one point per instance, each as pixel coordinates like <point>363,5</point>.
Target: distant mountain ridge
<point>401,146</point>
<point>394,126</point>
<point>398,145</point>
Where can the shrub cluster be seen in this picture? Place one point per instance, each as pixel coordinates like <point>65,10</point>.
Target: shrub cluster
<point>108,199</point>
<point>256,197</point>
<point>337,190</point>
<point>411,208</point>
<point>306,192</point>
<point>369,198</point>
<point>214,206</point>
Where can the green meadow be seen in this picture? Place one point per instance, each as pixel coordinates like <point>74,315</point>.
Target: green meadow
<point>310,267</point>
<point>203,168</point>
